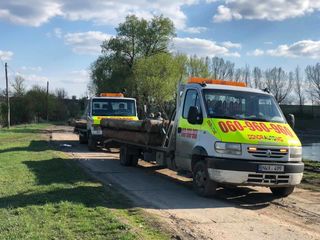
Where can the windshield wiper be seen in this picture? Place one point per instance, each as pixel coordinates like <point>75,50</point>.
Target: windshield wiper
<point>224,117</point>
<point>257,119</point>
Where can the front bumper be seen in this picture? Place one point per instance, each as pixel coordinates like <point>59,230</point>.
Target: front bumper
<point>245,172</point>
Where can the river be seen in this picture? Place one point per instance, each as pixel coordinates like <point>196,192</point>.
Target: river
<point>311,151</point>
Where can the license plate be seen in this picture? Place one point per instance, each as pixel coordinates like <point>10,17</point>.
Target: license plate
<point>270,168</point>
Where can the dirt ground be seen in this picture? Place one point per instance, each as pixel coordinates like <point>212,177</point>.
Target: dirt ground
<point>236,213</point>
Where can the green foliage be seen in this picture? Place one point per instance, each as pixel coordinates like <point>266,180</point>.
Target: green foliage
<point>136,38</point>
<point>198,67</point>
<point>140,38</point>
<point>109,74</point>
<point>156,78</point>
<point>31,106</point>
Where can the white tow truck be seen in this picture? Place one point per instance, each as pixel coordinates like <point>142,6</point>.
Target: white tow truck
<point>225,133</point>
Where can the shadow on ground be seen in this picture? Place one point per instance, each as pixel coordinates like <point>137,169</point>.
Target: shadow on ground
<point>34,146</point>
<point>59,180</point>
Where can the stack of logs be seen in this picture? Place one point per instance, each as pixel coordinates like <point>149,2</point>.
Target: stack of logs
<point>145,132</point>
<point>80,124</point>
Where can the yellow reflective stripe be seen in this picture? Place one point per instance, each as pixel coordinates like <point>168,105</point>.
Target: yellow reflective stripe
<point>97,119</point>
<point>253,132</point>
<point>244,131</point>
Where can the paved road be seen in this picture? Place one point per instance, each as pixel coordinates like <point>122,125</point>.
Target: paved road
<point>239,213</point>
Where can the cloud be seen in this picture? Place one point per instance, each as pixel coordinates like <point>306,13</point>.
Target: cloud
<point>57,32</point>
<point>85,42</point>
<point>271,10</point>
<point>32,13</point>
<point>34,78</point>
<point>5,55</point>
<point>304,48</point>
<point>31,69</point>
<point>201,47</point>
<point>37,12</point>
<point>256,52</point>
<point>76,77</point>
<point>229,44</point>
<point>195,30</point>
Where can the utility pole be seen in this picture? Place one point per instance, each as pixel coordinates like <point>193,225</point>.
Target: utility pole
<point>7,93</point>
<point>47,103</point>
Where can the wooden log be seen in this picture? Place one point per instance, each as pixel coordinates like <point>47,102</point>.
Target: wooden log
<point>144,138</point>
<point>148,125</point>
<point>154,126</point>
<point>129,125</point>
<point>81,124</point>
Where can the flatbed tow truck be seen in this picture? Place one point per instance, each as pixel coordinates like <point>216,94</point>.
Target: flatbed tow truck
<point>224,133</point>
<point>107,105</point>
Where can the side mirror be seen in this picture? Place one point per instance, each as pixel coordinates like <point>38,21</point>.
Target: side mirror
<point>194,115</point>
<point>291,120</point>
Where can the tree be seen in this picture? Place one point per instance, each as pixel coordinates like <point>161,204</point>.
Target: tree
<point>220,69</point>
<point>18,86</point>
<point>298,86</point>
<point>136,38</point>
<point>278,83</point>
<point>109,74</point>
<point>313,77</point>
<point>257,78</point>
<point>157,78</point>
<point>198,67</point>
<point>140,38</point>
<point>61,93</point>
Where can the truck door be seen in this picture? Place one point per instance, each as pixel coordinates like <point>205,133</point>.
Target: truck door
<point>187,134</point>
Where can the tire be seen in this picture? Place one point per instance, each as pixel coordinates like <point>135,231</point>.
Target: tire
<point>127,159</point>
<point>92,144</point>
<point>82,139</point>
<point>281,191</point>
<point>202,184</point>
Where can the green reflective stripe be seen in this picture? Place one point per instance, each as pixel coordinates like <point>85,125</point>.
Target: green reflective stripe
<point>183,123</point>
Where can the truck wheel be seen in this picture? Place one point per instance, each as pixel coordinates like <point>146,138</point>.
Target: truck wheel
<point>202,184</point>
<point>127,159</point>
<point>82,139</point>
<point>92,144</point>
<point>281,191</point>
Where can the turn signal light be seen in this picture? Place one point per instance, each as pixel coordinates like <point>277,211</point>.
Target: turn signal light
<point>252,149</point>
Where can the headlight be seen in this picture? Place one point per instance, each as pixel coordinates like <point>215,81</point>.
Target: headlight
<point>96,130</point>
<point>296,152</point>
<point>228,148</point>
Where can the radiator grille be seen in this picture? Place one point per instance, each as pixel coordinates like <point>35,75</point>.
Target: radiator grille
<point>268,178</point>
<point>268,152</point>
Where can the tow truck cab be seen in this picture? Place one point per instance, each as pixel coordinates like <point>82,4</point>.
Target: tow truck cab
<point>227,133</point>
<point>107,105</point>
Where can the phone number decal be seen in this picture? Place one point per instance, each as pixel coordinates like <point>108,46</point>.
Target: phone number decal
<point>233,126</point>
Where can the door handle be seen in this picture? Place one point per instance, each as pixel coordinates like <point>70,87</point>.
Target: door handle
<point>179,129</point>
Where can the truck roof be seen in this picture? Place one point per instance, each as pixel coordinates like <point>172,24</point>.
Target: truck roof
<point>118,98</point>
<point>226,87</point>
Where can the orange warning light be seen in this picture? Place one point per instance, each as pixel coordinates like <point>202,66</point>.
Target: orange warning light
<point>111,95</point>
<point>216,81</point>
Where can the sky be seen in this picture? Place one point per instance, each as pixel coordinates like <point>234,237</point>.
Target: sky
<point>57,40</point>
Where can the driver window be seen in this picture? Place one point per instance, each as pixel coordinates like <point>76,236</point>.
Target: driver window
<point>191,99</point>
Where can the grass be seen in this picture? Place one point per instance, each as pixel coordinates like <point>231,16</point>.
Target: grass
<point>311,175</point>
<point>45,195</point>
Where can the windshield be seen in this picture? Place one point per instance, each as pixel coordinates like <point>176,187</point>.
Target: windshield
<point>241,105</point>
<point>113,107</point>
